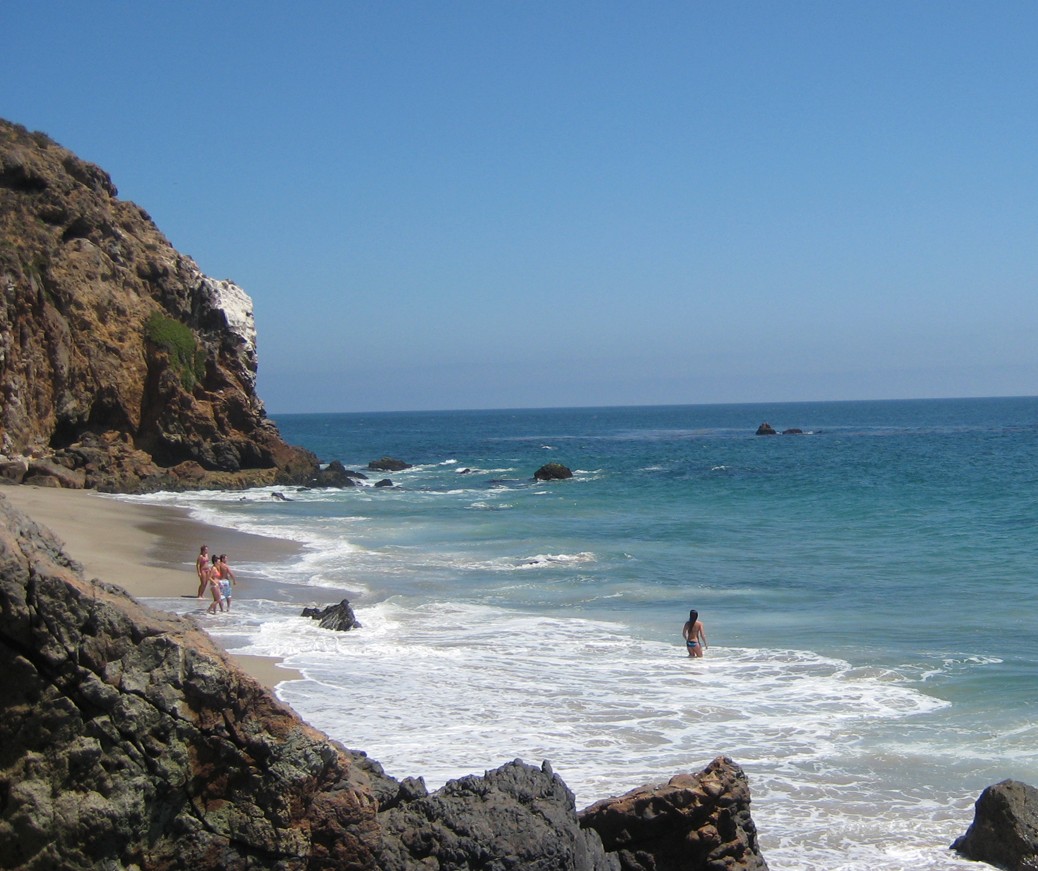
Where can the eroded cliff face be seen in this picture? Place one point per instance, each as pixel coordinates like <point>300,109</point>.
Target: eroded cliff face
<point>118,356</point>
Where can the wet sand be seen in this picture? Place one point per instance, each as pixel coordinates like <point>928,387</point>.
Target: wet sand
<point>149,550</point>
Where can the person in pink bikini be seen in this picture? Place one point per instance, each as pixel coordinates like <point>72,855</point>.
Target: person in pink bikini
<point>202,567</point>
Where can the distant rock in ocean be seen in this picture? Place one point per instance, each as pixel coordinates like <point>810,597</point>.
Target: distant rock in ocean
<point>553,472</point>
<point>766,429</point>
<point>335,474</point>
<point>388,464</point>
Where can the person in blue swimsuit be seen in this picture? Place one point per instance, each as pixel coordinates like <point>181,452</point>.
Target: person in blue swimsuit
<point>695,637</point>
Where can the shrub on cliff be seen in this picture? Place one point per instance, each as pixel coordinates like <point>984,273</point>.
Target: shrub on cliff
<point>179,342</point>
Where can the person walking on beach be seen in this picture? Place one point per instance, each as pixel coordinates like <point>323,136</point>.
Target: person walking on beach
<point>202,567</point>
<point>213,574</point>
<point>227,579</point>
<point>695,637</point>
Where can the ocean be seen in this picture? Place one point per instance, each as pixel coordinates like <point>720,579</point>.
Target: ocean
<point>866,589</point>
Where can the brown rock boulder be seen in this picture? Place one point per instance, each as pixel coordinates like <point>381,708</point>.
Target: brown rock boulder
<point>694,822</point>
<point>46,473</point>
<point>1004,831</point>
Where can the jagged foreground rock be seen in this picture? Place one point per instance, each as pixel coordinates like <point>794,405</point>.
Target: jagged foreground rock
<point>1004,831</point>
<point>515,817</point>
<point>119,358</point>
<point>692,821</point>
<point>129,741</point>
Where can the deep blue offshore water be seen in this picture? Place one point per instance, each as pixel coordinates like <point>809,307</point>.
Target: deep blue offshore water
<point>867,589</point>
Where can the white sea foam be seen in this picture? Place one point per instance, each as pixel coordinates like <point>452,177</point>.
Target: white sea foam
<point>543,560</point>
<point>751,701</point>
<point>445,689</point>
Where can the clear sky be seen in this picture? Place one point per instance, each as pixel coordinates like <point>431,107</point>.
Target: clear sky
<point>441,205</point>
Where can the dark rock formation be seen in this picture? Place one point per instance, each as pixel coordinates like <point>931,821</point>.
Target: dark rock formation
<point>1004,831</point>
<point>385,482</point>
<point>127,739</point>
<point>552,472</point>
<point>121,360</point>
<point>698,822</point>
<point>793,431</point>
<point>335,474</point>
<point>515,817</point>
<point>388,464</point>
<point>766,429</point>
<point>338,617</point>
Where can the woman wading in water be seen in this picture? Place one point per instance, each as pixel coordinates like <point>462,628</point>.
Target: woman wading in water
<point>695,637</point>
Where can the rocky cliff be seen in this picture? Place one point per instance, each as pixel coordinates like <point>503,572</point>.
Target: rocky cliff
<point>129,741</point>
<point>122,366</point>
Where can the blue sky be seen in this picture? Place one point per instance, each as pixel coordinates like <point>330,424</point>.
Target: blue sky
<point>442,205</point>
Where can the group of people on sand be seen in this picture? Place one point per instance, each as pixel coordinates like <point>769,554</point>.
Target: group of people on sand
<point>215,575</point>
<point>695,637</point>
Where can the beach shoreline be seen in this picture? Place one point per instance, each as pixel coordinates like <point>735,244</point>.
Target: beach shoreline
<point>148,550</point>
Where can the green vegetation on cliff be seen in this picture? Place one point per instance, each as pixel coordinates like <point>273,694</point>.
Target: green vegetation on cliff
<point>180,343</point>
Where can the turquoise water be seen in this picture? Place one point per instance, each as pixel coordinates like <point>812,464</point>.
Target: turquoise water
<point>866,590</point>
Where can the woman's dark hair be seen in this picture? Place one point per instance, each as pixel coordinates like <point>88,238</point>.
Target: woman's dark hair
<point>693,615</point>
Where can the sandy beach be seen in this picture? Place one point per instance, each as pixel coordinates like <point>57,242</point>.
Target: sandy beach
<point>148,550</point>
